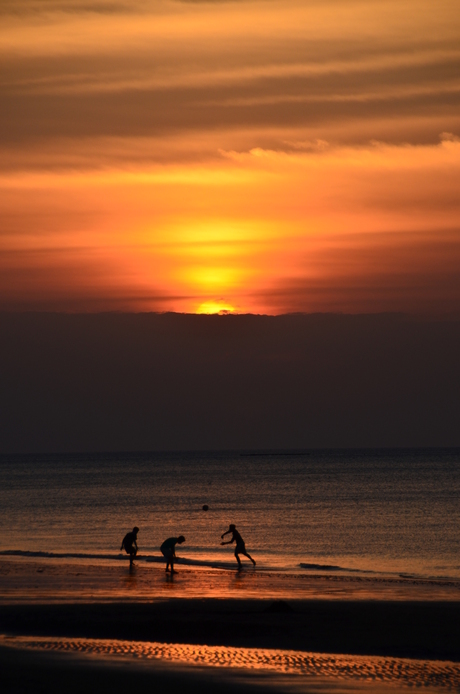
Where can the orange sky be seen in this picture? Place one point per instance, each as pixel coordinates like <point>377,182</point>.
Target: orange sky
<point>266,157</point>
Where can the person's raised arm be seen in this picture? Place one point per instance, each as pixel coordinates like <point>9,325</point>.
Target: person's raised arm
<point>232,539</point>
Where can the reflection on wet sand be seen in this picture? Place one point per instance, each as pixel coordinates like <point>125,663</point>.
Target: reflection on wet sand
<point>130,579</point>
<point>32,580</point>
<point>400,671</point>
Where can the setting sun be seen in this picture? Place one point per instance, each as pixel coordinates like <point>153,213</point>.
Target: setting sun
<point>212,307</point>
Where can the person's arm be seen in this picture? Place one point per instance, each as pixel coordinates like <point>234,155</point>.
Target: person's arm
<point>222,537</point>
<point>122,544</point>
<point>230,541</point>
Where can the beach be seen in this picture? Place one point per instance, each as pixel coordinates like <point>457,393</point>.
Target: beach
<point>248,630</point>
<point>356,586</point>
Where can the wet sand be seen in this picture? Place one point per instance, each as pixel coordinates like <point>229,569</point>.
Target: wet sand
<point>206,629</point>
<point>35,580</point>
<point>51,672</point>
<point>298,669</point>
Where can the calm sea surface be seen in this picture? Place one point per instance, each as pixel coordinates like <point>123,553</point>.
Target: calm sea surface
<point>372,511</point>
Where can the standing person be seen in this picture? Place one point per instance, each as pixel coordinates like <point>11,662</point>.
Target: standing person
<point>168,549</point>
<point>129,543</point>
<point>240,546</point>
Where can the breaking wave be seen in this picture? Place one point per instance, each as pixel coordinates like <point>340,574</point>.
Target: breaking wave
<point>331,567</point>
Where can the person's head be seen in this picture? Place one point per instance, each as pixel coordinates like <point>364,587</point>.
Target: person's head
<point>135,530</point>
<point>180,539</point>
<point>232,526</point>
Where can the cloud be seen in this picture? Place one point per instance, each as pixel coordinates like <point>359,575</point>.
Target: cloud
<point>47,8</point>
<point>258,104</point>
<point>408,272</point>
<point>285,71</point>
<point>342,228</point>
<point>266,153</point>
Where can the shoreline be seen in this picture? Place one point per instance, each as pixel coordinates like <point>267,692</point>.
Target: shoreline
<point>57,580</point>
<point>302,568</point>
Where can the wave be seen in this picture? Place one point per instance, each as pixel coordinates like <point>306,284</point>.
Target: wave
<point>378,575</point>
<point>331,567</point>
<point>120,556</point>
<point>59,555</point>
<point>158,559</point>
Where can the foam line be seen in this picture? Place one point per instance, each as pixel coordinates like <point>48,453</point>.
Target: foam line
<point>60,555</point>
<point>140,557</point>
<point>328,567</point>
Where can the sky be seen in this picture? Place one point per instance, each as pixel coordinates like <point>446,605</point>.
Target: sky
<point>257,156</point>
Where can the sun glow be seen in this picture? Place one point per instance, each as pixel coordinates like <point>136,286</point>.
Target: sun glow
<point>215,307</point>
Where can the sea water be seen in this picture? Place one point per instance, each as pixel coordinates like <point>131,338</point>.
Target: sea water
<point>371,511</point>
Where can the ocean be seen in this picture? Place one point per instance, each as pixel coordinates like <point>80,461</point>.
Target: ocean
<point>377,512</point>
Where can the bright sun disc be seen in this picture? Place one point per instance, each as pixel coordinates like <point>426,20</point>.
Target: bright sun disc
<point>215,307</point>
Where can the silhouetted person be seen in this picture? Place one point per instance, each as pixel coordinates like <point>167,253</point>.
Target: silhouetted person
<point>240,546</point>
<point>168,549</point>
<point>129,544</point>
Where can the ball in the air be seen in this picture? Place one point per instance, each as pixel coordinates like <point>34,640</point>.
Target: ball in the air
<point>205,507</point>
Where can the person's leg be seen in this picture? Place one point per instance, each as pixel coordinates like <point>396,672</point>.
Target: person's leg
<point>237,556</point>
<point>249,557</point>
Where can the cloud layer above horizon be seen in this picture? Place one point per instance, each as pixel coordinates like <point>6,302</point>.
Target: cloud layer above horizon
<point>257,156</point>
